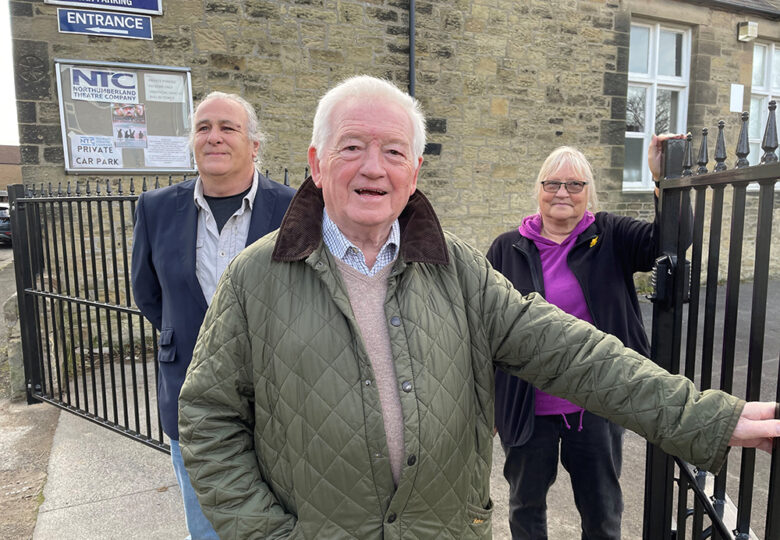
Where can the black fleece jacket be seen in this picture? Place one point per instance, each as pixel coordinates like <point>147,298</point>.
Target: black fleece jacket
<point>603,259</point>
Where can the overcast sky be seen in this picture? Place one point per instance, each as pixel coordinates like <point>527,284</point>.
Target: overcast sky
<point>9,133</point>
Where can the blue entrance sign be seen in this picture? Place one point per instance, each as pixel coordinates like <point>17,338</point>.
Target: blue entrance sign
<point>151,7</point>
<point>104,23</point>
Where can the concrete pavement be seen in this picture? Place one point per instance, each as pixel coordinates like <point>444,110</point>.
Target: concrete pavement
<point>104,485</point>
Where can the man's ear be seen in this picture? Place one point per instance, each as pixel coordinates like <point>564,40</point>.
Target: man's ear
<point>314,166</point>
<point>416,173</point>
<point>255,149</point>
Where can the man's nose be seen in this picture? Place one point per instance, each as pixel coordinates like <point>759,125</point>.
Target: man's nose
<point>372,161</point>
<point>214,136</point>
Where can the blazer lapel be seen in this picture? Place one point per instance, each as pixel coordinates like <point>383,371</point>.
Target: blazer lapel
<point>187,216</point>
<point>262,210</point>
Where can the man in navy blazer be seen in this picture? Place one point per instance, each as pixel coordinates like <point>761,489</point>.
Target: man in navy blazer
<point>184,237</point>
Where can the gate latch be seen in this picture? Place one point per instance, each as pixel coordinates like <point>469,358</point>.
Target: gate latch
<point>662,279</point>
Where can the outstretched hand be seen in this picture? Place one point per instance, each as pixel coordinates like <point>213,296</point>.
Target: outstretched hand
<point>756,426</point>
<point>654,152</point>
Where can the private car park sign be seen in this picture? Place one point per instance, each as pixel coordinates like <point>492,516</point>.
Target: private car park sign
<point>104,23</point>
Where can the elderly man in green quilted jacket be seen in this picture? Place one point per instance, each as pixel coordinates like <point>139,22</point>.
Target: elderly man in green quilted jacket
<point>341,386</point>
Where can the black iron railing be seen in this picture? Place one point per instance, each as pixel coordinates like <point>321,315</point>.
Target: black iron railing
<point>86,346</point>
<point>677,325</point>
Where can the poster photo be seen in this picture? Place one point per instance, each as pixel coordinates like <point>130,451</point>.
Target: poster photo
<point>129,125</point>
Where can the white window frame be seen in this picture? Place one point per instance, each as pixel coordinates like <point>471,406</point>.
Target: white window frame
<point>652,81</point>
<point>764,93</point>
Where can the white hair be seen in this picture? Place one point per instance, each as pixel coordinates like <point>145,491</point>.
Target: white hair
<point>368,88</point>
<point>252,124</point>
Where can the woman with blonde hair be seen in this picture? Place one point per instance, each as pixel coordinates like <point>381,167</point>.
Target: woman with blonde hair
<point>583,261</point>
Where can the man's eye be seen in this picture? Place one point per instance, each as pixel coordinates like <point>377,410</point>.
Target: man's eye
<point>351,148</point>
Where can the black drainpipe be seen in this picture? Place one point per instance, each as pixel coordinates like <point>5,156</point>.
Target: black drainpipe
<point>411,48</point>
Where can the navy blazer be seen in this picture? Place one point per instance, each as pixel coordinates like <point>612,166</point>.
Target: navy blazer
<point>165,286</point>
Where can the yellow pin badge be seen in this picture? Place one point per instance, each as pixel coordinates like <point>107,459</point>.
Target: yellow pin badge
<point>593,242</point>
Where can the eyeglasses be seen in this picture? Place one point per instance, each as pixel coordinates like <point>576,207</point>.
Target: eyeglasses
<point>552,186</point>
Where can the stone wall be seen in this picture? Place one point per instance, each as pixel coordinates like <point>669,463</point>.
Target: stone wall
<point>12,380</point>
<point>503,82</point>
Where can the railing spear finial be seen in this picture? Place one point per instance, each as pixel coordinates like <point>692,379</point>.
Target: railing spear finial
<point>743,148</point>
<point>687,157</point>
<point>720,148</point>
<point>703,155</point>
<point>769,144</point>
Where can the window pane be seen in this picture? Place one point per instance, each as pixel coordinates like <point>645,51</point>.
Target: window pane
<point>755,154</point>
<point>776,70</point>
<point>635,109</point>
<point>670,53</point>
<point>634,160</point>
<point>759,54</point>
<point>667,106</point>
<point>757,105</point>
<point>639,49</point>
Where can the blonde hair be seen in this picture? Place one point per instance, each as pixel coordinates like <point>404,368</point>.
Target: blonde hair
<point>568,155</point>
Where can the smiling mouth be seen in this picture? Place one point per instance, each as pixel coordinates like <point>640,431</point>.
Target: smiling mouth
<point>372,192</point>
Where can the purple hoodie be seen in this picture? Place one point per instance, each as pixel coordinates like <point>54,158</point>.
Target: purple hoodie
<point>560,289</point>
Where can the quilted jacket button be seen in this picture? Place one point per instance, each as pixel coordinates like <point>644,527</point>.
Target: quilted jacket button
<point>368,382</point>
<point>391,517</point>
<point>406,386</point>
<point>395,320</point>
<point>412,460</point>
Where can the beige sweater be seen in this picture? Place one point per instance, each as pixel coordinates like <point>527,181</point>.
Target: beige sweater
<point>367,297</point>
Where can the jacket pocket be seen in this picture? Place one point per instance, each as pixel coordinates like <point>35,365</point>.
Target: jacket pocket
<point>479,521</point>
<point>167,348</point>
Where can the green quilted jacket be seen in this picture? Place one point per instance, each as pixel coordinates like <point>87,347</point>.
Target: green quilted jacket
<point>280,422</point>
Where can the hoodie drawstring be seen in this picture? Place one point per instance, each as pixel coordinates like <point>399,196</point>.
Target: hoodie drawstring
<point>566,422</point>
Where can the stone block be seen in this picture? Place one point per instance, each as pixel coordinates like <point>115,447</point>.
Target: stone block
<point>38,134</point>
<point>48,112</point>
<point>34,77</point>
<point>215,7</point>
<point>705,93</point>
<point>54,154</point>
<point>21,9</point>
<point>25,112</point>
<point>612,132</point>
<point>263,9</point>
<point>209,40</point>
<point>615,84</point>
<point>29,154</point>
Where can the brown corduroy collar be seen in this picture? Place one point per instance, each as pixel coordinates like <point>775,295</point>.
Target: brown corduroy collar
<point>422,239</point>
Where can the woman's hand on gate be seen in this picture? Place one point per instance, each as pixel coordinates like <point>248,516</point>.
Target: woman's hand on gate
<point>654,152</point>
<point>757,426</point>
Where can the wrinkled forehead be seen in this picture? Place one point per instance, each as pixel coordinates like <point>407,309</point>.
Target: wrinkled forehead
<point>366,116</point>
<point>220,111</point>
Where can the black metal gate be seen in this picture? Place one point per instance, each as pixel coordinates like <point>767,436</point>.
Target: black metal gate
<point>86,347</point>
<point>681,501</point>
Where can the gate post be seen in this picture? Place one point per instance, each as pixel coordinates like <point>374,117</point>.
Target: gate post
<point>23,267</point>
<point>665,335</point>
